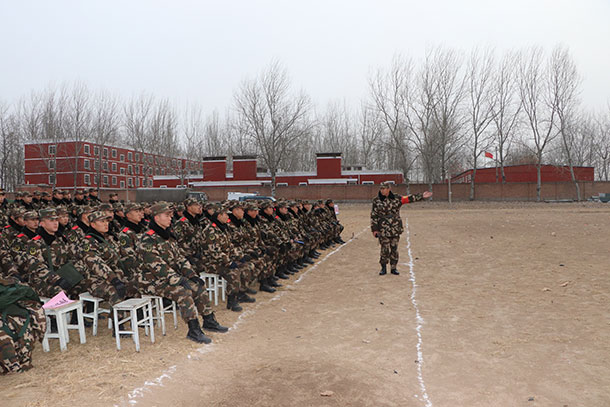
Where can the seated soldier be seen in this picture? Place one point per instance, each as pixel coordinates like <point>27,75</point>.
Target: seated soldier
<point>165,272</point>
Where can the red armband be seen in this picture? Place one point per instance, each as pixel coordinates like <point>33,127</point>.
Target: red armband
<point>404,199</point>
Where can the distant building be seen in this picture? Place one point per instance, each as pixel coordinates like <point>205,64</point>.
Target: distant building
<point>78,164</point>
<point>525,173</point>
<point>329,171</point>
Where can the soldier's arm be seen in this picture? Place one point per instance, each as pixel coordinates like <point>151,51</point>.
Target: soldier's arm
<point>154,263</point>
<point>374,218</point>
<point>36,266</point>
<point>96,266</point>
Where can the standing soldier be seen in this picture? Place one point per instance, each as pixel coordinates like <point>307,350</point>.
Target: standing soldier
<point>386,224</point>
<point>167,273</point>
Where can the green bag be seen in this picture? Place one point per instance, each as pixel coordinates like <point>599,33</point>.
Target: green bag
<point>10,295</point>
<point>69,273</point>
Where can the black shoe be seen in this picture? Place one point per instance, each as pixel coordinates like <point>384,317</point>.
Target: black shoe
<point>274,278</point>
<point>339,240</point>
<point>395,272</point>
<point>251,291</point>
<point>196,334</point>
<point>308,260</point>
<point>233,304</point>
<point>384,270</point>
<point>273,283</point>
<point>266,287</point>
<point>281,275</point>
<point>298,266</point>
<point>243,297</point>
<point>210,323</point>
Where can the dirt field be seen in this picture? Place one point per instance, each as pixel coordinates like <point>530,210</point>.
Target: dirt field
<point>514,310</point>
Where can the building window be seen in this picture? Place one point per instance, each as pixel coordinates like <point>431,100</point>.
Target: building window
<point>122,171</point>
<point>113,167</point>
<point>105,165</point>
<point>51,164</point>
<point>96,151</point>
<point>113,180</point>
<point>95,180</point>
<point>87,179</point>
<point>150,183</point>
<point>52,179</point>
<point>137,170</point>
<point>281,184</point>
<point>52,149</point>
<point>105,152</point>
<point>130,182</point>
<point>113,153</point>
<point>137,157</point>
<point>87,149</point>
<point>150,171</point>
<point>122,157</point>
<point>86,162</point>
<point>122,184</point>
<point>137,182</point>
<point>96,165</point>
<point>129,169</point>
<point>130,156</point>
<point>106,180</point>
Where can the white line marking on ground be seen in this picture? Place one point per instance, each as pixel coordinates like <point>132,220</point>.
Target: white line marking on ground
<point>419,319</point>
<point>139,391</point>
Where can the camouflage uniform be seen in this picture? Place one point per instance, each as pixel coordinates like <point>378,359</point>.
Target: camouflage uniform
<point>167,273</point>
<point>188,235</point>
<point>16,347</point>
<point>217,249</point>
<point>386,221</point>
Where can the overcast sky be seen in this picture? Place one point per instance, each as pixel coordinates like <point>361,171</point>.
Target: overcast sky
<point>199,51</point>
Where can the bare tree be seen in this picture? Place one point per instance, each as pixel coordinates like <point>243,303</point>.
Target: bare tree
<point>564,83</point>
<point>539,105</point>
<point>105,125</point>
<point>271,117</point>
<point>507,108</point>
<point>369,132</point>
<point>481,105</point>
<point>136,117</point>
<point>77,124</point>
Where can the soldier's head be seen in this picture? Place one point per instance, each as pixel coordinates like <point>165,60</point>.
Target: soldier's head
<point>31,220</point>
<point>107,209</point>
<point>27,197</point>
<point>282,208</point>
<point>36,195</point>
<point>384,188</point>
<point>222,214</point>
<point>307,205</point>
<point>237,209</point>
<point>252,210</point>
<point>62,215</point>
<point>113,197</point>
<point>266,207</point>
<point>133,212</point>
<point>82,213</point>
<point>193,206</point>
<point>58,194</point>
<point>118,210</point>
<point>162,214</point>
<point>79,194</point>
<point>66,194</point>
<point>99,221</point>
<point>48,220</point>
<point>17,216</point>
<point>209,207</point>
<point>92,192</point>
<point>45,196</point>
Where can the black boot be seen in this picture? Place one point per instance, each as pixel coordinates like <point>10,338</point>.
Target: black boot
<point>301,263</point>
<point>339,240</point>
<point>313,254</point>
<point>308,260</point>
<point>394,271</point>
<point>251,291</point>
<point>274,278</point>
<point>291,269</point>
<point>280,274</point>
<point>271,282</point>
<point>244,297</point>
<point>195,333</point>
<point>266,287</point>
<point>233,304</point>
<point>384,270</point>
<point>210,323</point>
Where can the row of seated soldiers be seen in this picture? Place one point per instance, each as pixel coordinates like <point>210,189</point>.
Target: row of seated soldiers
<point>41,199</point>
<point>116,252</point>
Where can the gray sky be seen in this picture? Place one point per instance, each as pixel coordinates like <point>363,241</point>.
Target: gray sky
<point>199,51</point>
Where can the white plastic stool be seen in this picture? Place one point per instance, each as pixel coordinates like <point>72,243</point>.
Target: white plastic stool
<point>211,285</point>
<point>222,286</point>
<point>86,297</point>
<point>160,310</point>
<point>61,315</point>
<point>132,305</point>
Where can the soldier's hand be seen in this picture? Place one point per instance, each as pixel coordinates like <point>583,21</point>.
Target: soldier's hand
<point>64,284</point>
<point>427,194</point>
<point>120,287</point>
<point>185,283</point>
<point>198,281</point>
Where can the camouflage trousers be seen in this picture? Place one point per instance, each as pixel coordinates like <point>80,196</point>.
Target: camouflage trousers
<point>105,290</point>
<point>389,250</point>
<point>16,354</point>
<point>232,276</point>
<point>190,302</point>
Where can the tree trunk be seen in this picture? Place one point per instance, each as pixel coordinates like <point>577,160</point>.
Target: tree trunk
<point>273,184</point>
<point>539,181</point>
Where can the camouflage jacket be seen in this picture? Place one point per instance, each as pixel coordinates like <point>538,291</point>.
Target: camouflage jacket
<point>217,246</point>
<point>188,234</point>
<point>161,257</point>
<point>385,213</point>
<point>100,256</point>
<point>128,239</point>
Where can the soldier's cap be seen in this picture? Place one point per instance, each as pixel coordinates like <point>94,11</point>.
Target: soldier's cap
<point>30,215</point>
<point>57,191</point>
<point>36,193</point>
<point>180,208</point>
<point>98,215</point>
<point>18,194</point>
<point>61,210</point>
<point>83,209</point>
<point>26,194</point>
<point>66,192</point>
<point>191,201</point>
<point>265,204</point>
<point>329,201</point>
<point>48,213</point>
<point>250,206</point>
<point>159,208</point>
<point>104,207</point>
<point>218,209</point>
<point>281,204</point>
<point>292,203</point>
<point>384,185</point>
<point>79,192</point>
<point>132,206</point>
<point>17,212</point>
<point>45,194</point>
<point>92,190</point>
<point>209,205</point>
<point>113,194</point>
<point>308,203</point>
<point>234,204</point>
<point>117,207</point>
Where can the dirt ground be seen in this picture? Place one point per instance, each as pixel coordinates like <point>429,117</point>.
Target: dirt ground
<point>514,310</point>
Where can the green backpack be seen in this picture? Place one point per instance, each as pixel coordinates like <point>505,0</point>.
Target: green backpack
<point>10,296</point>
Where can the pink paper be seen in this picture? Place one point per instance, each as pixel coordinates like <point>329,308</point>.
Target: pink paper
<point>57,301</point>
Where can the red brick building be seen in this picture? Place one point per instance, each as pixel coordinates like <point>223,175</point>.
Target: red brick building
<point>526,173</point>
<point>329,171</point>
<point>71,164</point>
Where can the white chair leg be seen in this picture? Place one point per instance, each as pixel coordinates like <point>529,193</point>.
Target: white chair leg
<point>81,325</point>
<point>95,317</point>
<point>161,314</point>
<point>116,330</point>
<point>134,328</point>
<point>62,331</point>
<point>175,314</point>
<point>45,340</point>
<point>152,323</point>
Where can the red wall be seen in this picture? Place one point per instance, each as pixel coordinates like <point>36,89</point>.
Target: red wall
<point>528,173</point>
<point>328,167</point>
<point>244,169</point>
